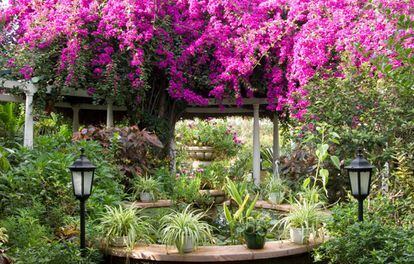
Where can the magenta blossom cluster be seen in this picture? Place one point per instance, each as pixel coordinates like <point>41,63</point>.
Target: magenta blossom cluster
<point>224,42</point>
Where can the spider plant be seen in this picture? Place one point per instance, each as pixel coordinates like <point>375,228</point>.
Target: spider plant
<point>4,238</point>
<point>276,190</point>
<point>306,216</point>
<point>185,230</point>
<point>126,224</point>
<point>148,186</point>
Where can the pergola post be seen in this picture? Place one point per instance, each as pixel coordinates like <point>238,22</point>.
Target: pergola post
<point>75,120</point>
<point>30,91</point>
<point>256,144</point>
<point>276,144</point>
<point>110,113</point>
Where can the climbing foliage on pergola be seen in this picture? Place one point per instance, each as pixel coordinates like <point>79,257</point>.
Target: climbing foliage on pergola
<point>200,48</point>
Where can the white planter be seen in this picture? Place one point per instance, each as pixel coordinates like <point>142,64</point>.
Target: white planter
<point>146,197</point>
<point>188,245</point>
<point>120,241</point>
<point>299,235</point>
<point>276,197</point>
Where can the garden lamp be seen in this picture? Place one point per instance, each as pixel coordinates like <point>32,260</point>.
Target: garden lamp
<point>359,173</point>
<point>82,171</point>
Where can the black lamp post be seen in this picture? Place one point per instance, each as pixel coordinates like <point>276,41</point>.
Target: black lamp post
<point>82,171</point>
<point>359,172</point>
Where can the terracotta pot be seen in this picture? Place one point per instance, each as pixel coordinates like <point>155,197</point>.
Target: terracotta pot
<point>146,197</point>
<point>299,235</point>
<point>201,153</point>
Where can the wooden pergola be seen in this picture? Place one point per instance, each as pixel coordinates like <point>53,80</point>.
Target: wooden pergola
<point>251,107</point>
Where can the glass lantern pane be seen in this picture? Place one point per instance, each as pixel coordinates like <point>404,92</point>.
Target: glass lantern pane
<point>353,177</point>
<point>364,182</point>
<point>77,182</point>
<point>87,178</point>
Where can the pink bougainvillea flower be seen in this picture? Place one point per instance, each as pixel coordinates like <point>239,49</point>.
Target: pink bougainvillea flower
<point>216,48</point>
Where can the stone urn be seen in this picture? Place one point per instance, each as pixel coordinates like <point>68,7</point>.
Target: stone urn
<point>218,195</point>
<point>201,153</point>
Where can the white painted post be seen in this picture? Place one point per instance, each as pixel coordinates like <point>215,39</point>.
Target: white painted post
<point>256,145</point>
<point>75,120</point>
<point>29,90</point>
<point>110,114</point>
<point>276,145</point>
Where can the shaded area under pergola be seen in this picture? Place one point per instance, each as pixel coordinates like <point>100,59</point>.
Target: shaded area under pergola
<point>80,100</point>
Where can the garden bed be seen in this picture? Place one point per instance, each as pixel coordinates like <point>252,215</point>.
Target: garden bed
<point>169,203</point>
<point>235,253</point>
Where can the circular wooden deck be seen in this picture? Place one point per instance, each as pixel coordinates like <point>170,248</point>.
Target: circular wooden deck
<point>213,254</point>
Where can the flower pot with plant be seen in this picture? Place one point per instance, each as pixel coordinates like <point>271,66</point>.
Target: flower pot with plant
<point>185,230</point>
<point>124,227</point>
<point>146,189</point>
<point>276,190</point>
<point>205,140</point>
<point>255,231</point>
<point>304,220</point>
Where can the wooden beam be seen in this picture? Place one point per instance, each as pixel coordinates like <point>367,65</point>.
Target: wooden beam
<point>11,98</point>
<point>246,101</point>
<point>71,92</point>
<point>89,106</point>
<point>4,83</point>
<point>217,110</point>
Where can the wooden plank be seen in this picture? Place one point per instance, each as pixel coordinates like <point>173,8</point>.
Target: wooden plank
<point>217,110</point>
<point>11,98</point>
<point>8,84</point>
<point>89,106</point>
<point>246,101</point>
<point>157,204</point>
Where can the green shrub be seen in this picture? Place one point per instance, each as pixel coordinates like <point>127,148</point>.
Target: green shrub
<point>384,236</point>
<point>36,198</point>
<point>369,242</point>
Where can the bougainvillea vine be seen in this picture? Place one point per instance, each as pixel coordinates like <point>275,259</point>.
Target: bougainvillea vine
<point>205,48</point>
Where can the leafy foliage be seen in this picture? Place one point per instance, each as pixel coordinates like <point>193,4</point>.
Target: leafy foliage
<point>130,146</point>
<point>37,199</point>
<point>238,194</point>
<point>10,122</point>
<point>258,225</point>
<point>384,236</point>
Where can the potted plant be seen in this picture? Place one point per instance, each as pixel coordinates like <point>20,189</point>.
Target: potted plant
<point>255,231</point>
<point>124,227</point>
<point>185,230</point>
<point>205,139</point>
<point>276,190</point>
<point>146,189</point>
<point>305,219</point>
